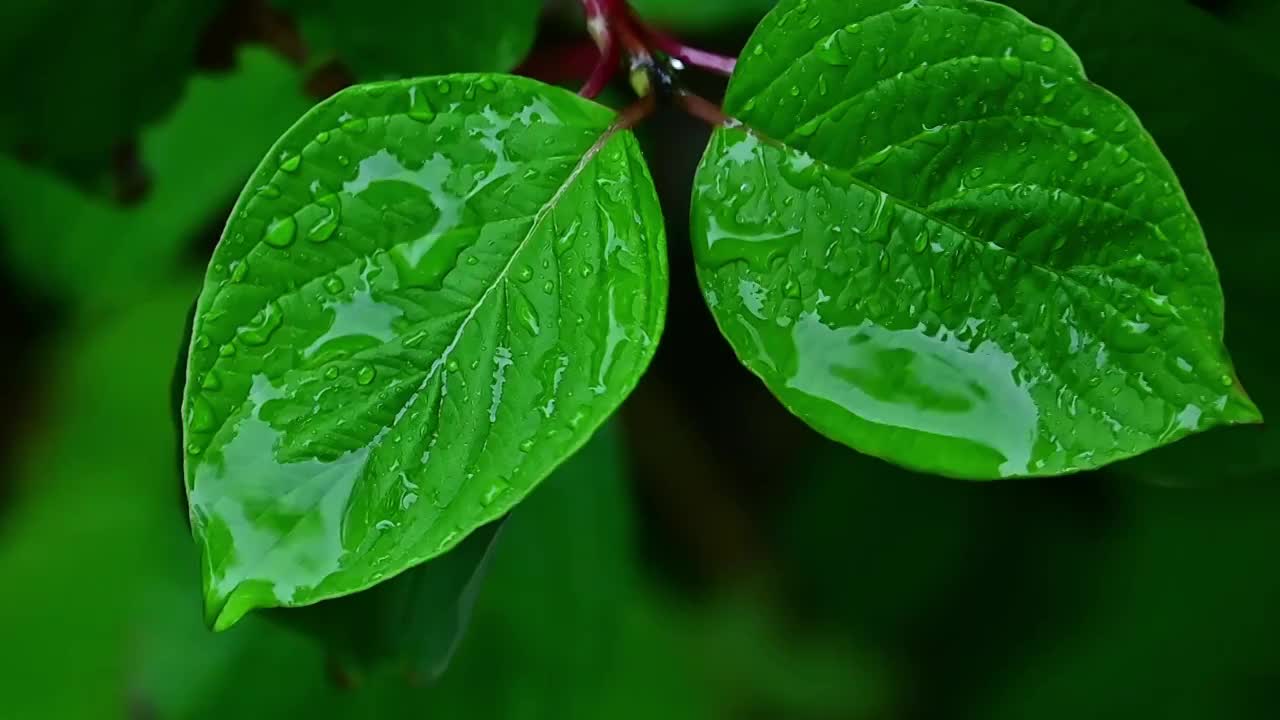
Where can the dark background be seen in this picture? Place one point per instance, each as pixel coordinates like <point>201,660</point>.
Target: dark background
<point>709,556</point>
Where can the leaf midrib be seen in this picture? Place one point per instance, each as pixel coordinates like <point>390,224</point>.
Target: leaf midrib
<point>980,245</point>
<point>585,160</point>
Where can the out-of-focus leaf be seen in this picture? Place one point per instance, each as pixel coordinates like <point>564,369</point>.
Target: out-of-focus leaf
<point>1253,25</point>
<point>430,293</point>
<point>564,628</point>
<point>999,277</point>
<point>80,77</point>
<point>1181,622</point>
<point>705,15</point>
<point>89,251</point>
<point>102,479</point>
<point>413,622</point>
<point>386,39</point>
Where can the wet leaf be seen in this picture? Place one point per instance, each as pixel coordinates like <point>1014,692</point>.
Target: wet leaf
<point>414,622</point>
<point>1184,97</point>
<point>382,39</point>
<point>938,243</point>
<point>429,295</point>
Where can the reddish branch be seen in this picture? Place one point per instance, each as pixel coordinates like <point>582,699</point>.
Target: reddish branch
<point>720,64</point>
<point>617,30</point>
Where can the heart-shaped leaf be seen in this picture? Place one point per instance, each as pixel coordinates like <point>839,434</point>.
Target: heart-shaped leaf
<point>938,243</point>
<point>429,295</point>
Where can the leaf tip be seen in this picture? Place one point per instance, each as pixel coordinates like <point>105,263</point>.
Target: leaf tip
<point>222,612</point>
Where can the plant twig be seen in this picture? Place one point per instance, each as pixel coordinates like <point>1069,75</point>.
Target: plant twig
<point>710,61</point>
<point>704,110</point>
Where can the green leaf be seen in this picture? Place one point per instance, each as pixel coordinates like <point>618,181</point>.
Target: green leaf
<point>429,295</point>
<point>702,15</point>
<point>86,250</point>
<point>1206,89</point>
<point>383,39</point>
<point>81,77</point>
<point>938,243</point>
<point>414,621</point>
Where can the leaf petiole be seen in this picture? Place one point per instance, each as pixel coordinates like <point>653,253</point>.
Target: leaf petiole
<point>616,28</point>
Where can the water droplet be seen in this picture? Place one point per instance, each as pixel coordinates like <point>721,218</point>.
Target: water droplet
<point>202,341</point>
<point>524,274</point>
<point>365,375</point>
<point>488,85</point>
<point>331,373</point>
<point>526,446</point>
<point>281,232</point>
<point>200,417</point>
<point>495,491</point>
<point>548,287</point>
<point>526,313</point>
<point>419,108</point>
<point>354,125</point>
<point>1047,44</point>
<point>324,227</point>
<point>451,366</point>
<point>333,284</point>
<point>444,87</point>
<point>227,350</point>
<point>264,324</point>
<point>290,163</point>
<point>211,381</point>
<point>322,137</point>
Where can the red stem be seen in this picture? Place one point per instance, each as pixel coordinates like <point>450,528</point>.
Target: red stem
<point>704,110</point>
<point>605,68</point>
<point>713,62</point>
<point>616,29</point>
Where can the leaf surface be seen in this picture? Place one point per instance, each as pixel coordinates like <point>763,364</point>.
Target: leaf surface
<point>938,243</point>
<point>430,294</point>
<point>1207,88</point>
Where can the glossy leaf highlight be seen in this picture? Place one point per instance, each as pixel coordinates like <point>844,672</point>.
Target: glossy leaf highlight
<point>937,242</point>
<point>429,295</point>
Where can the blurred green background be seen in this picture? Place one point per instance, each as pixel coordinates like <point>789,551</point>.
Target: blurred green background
<point>706,556</point>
